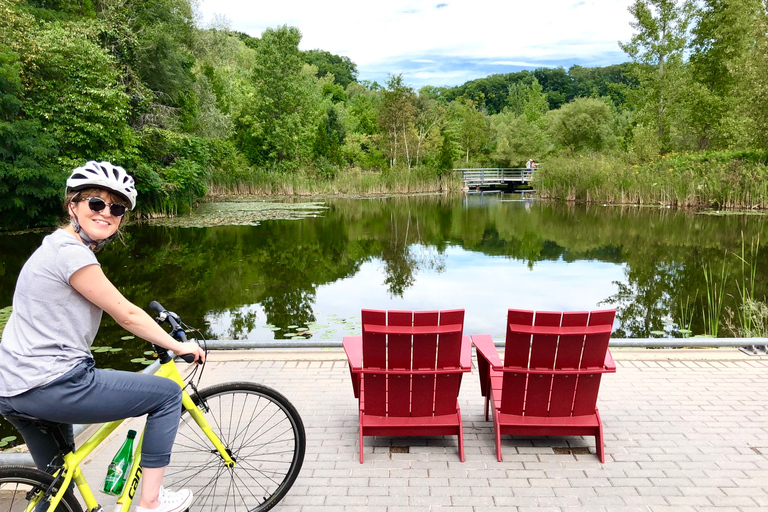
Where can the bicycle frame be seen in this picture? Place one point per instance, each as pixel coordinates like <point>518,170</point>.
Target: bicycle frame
<point>71,468</point>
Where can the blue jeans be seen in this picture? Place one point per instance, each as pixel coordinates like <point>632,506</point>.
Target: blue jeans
<point>88,395</point>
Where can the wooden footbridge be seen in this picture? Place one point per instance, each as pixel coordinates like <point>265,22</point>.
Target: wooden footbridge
<point>475,178</point>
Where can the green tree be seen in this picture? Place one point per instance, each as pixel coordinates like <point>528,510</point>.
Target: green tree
<point>75,92</point>
<point>29,182</point>
<point>584,124</point>
<point>330,138</point>
<point>164,35</point>
<point>396,118</point>
<point>343,69</point>
<point>520,130</point>
<point>750,69</point>
<point>471,128</point>
<point>278,128</point>
<point>657,51</point>
<point>448,151</point>
<point>517,139</point>
<point>362,109</point>
<point>431,116</point>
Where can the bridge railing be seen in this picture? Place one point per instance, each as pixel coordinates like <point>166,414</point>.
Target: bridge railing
<point>495,176</point>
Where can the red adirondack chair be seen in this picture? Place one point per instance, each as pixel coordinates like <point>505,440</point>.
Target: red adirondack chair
<point>406,372</point>
<point>551,374</point>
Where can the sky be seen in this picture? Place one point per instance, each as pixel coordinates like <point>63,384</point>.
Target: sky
<point>441,42</point>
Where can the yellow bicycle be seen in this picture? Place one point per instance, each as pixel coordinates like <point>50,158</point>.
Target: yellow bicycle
<point>240,447</point>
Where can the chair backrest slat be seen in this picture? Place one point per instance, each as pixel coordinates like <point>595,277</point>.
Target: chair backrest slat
<point>543,350</point>
<point>516,353</point>
<point>375,356</point>
<point>424,358</point>
<point>569,350</point>
<point>564,393</point>
<point>399,358</point>
<point>403,391</point>
<point>448,356</point>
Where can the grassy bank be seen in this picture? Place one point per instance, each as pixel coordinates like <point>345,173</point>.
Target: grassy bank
<point>257,182</point>
<point>697,180</point>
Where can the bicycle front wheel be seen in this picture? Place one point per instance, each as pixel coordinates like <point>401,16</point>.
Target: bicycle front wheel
<point>262,432</point>
<point>20,485</point>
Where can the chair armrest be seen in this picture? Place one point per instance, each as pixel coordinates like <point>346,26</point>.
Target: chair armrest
<point>466,352</point>
<point>486,349</point>
<point>610,364</point>
<point>353,346</point>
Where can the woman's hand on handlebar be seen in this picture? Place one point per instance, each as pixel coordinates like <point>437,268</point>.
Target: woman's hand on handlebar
<point>191,348</point>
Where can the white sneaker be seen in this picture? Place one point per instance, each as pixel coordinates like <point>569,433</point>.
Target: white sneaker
<point>171,501</point>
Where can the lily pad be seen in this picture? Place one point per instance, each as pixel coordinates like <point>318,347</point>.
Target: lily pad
<point>8,439</point>
<point>102,349</point>
<point>128,337</point>
<point>118,349</point>
<point>138,360</point>
<point>242,213</point>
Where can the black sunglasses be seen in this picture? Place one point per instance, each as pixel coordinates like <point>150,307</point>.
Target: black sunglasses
<point>97,204</point>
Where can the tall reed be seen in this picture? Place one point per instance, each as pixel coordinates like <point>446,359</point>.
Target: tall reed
<point>713,302</point>
<point>746,288</point>
<point>685,311</point>
<point>698,179</point>
<point>307,182</point>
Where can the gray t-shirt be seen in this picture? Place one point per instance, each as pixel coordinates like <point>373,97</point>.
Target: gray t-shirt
<point>52,326</point>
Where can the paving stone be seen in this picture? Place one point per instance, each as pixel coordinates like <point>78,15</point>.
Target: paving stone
<point>680,436</point>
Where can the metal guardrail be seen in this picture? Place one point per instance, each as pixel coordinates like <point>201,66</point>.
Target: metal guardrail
<point>759,344</point>
<point>495,176</point>
<point>614,343</point>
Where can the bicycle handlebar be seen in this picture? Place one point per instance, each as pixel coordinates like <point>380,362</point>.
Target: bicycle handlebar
<point>163,315</point>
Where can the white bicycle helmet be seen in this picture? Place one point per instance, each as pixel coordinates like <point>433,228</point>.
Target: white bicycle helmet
<point>104,175</point>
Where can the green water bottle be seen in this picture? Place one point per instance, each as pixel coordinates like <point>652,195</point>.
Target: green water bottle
<point>120,466</point>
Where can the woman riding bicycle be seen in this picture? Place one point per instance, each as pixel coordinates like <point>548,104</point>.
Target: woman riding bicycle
<point>46,367</point>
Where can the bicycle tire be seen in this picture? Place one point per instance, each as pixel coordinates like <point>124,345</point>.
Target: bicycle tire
<point>17,486</point>
<point>263,433</point>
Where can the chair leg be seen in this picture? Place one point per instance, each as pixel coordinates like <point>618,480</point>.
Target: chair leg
<point>360,435</point>
<point>461,438</point>
<point>599,445</point>
<point>497,431</point>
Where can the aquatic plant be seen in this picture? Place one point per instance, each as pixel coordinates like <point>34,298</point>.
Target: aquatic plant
<point>685,315</point>
<point>713,301</point>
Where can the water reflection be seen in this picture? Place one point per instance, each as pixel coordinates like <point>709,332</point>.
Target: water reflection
<point>309,278</point>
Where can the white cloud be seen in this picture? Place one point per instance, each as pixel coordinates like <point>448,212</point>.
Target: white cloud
<point>527,34</point>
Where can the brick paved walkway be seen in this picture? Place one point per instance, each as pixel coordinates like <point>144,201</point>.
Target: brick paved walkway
<point>681,435</point>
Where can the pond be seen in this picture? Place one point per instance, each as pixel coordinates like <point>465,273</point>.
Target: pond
<point>303,270</point>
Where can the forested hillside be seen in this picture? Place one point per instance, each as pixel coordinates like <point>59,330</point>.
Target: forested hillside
<point>189,110</point>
